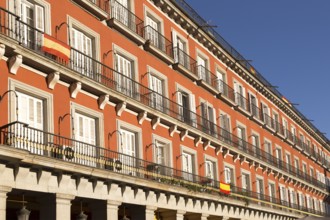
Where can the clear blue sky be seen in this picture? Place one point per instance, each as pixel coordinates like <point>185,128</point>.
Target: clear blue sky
<point>289,43</point>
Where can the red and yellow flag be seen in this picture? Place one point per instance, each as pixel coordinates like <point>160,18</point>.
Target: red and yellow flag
<point>55,47</point>
<point>225,188</point>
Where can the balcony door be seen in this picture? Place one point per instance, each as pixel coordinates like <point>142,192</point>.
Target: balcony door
<point>81,57</point>
<point>272,192</point>
<point>201,65</point>
<point>253,105</point>
<point>33,17</point>
<point>208,114</point>
<point>31,112</point>
<point>156,99</point>
<point>260,188</point>
<point>241,138</point>
<point>153,31</point>
<point>124,79</point>
<point>121,11</point>
<point>220,81</point>
<point>187,166</point>
<point>128,150</point>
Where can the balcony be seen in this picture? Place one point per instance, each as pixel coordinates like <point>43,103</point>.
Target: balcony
<point>158,44</point>
<point>255,113</point>
<point>184,63</point>
<point>90,69</point>
<point>242,103</point>
<point>226,92</point>
<point>269,122</point>
<point>99,8</point>
<point>59,148</point>
<point>126,22</point>
<point>207,79</point>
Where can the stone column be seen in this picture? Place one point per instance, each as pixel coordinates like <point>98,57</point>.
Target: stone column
<point>204,216</point>
<point>112,209</point>
<point>150,212</point>
<point>3,201</point>
<point>63,206</point>
<point>180,214</point>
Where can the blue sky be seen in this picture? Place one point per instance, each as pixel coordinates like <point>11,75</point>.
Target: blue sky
<point>289,43</point>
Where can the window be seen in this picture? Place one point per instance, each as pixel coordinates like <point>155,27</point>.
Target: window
<point>156,84</point>
<point>311,171</point>
<point>296,165</point>
<point>225,127</point>
<point>221,81</point>
<point>246,182</point>
<point>153,27</point>
<point>253,105</point>
<point>293,199</point>
<point>201,68</point>
<point>309,202</point>
<point>302,140</point>
<point>241,141</point>
<point>285,127</point>
<point>208,118</point>
<point>187,166</point>
<point>255,144</point>
<point>123,78</point>
<point>161,155</point>
<point>301,199</point>
<point>210,169</point>
<point>82,56</point>
<point>31,112</point>
<point>278,154</point>
<point>288,161</point>
<point>283,195</point>
<point>240,95</point>
<point>265,114</point>
<point>304,169</point>
<point>187,107</point>
<point>276,119</point>
<point>120,12</point>
<point>316,204</point>
<point>293,131</point>
<point>128,149</point>
<point>229,175</point>
<point>32,14</point>
<point>260,188</point>
<point>180,50</point>
<point>272,192</point>
<point>268,150</point>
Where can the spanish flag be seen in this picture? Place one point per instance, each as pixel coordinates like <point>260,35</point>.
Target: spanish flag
<point>225,188</point>
<point>55,47</point>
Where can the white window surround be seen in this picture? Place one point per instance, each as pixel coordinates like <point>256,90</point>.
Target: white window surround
<point>35,92</point>
<point>118,50</point>
<point>225,113</point>
<point>246,172</point>
<point>182,37</point>
<point>47,9</point>
<point>98,116</point>
<point>231,167</point>
<point>243,126</point>
<point>132,128</point>
<point>188,150</point>
<point>215,162</point>
<point>179,87</point>
<point>152,71</point>
<point>202,55</point>
<point>152,14</point>
<point>222,70</point>
<point>73,23</point>
<point>167,141</point>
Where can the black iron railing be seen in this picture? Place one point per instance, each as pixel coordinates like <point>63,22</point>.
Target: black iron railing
<point>123,15</point>
<point>157,40</point>
<point>102,4</point>
<point>254,110</point>
<point>226,90</point>
<point>241,101</point>
<point>20,136</point>
<point>116,81</point>
<point>182,58</point>
<point>207,76</point>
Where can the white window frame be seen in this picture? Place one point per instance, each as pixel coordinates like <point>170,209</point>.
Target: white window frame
<point>168,142</point>
<point>227,166</point>
<point>34,92</point>
<point>215,165</point>
<point>248,173</point>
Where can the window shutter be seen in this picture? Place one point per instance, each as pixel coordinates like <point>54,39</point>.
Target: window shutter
<point>39,114</point>
<point>193,109</point>
<point>23,108</point>
<point>39,18</point>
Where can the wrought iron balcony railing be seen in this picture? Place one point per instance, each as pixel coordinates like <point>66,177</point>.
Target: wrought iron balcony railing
<point>207,76</point>
<point>20,136</point>
<point>100,73</point>
<point>226,90</point>
<point>241,101</point>
<point>182,58</point>
<point>254,110</point>
<point>123,15</point>
<point>157,40</point>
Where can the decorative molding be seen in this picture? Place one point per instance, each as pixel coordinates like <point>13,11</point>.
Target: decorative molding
<point>2,50</point>
<point>53,79</point>
<point>14,63</point>
<point>183,134</point>
<point>75,89</point>
<point>197,141</point>
<point>218,150</point>
<point>102,101</point>
<point>237,157</point>
<point>120,107</point>
<point>206,145</point>
<point>141,117</point>
<point>155,122</point>
<point>173,129</point>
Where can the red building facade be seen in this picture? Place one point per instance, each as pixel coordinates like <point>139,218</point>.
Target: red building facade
<point>133,108</point>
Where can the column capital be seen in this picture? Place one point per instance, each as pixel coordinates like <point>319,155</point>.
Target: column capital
<point>114,203</point>
<point>180,212</point>
<point>151,208</point>
<point>65,196</point>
